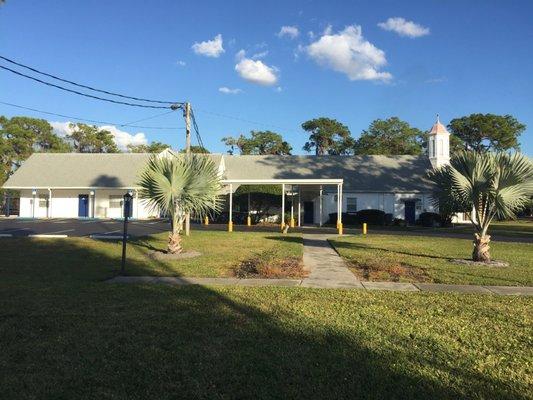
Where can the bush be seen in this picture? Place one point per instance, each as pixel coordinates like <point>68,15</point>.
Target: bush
<point>399,222</point>
<point>371,217</point>
<point>347,219</point>
<point>388,219</point>
<point>269,264</point>
<point>429,219</point>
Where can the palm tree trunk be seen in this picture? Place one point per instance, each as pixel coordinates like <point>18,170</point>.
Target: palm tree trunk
<point>174,239</point>
<point>481,248</point>
<point>174,243</point>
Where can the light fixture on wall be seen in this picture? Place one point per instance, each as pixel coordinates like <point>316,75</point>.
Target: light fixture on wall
<point>34,192</point>
<point>91,192</point>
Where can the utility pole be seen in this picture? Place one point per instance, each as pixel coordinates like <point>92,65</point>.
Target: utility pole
<point>187,116</point>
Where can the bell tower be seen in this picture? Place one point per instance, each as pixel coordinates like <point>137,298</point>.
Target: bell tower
<point>438,145</point>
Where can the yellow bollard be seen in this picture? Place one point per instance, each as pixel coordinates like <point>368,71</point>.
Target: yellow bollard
<point>292,223</point>
<point>364,228</point>
<point>338,223</point>
<point>230,226</point>
<point>339,227</point>
<point>249,221</point>
<point>206,220</point>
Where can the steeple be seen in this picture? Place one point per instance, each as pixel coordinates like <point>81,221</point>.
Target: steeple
<point>438,144</point>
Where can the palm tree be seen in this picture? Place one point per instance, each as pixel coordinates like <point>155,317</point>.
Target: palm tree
<point>177,185</point>
<point>492,185</point>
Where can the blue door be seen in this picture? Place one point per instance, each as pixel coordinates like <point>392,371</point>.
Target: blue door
<point>83,205</point>
<point>410,215</point>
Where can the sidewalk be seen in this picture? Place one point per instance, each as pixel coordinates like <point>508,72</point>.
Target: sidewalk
<point>328,270</point>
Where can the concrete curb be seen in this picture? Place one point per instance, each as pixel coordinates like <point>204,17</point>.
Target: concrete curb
<point>6,235</point>
<point>44,235</point>
<point>366,286</point>
<point>108,237</point>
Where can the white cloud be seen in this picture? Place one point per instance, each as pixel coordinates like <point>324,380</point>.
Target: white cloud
<point>262,54</point>
<point>181,63</point>
<point>227,90</point>
<point>404,28</point>
<point>121,138</point>
<point>350,53</point>
<point>255,71</point>
<point>291,32</point>
<point>210,48</point>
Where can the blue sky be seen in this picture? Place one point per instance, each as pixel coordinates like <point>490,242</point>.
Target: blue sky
<point>344,60</point>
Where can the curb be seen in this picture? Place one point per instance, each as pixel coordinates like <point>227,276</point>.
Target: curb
<point>108,237</point>
<point>48,236</point>
<point>6,235</point>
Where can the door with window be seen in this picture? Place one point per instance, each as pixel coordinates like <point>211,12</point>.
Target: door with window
<point>83,205</point>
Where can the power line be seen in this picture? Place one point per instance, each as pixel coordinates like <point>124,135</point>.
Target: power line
<point>244,120</point>
<point>85,86</point>
<point>196,130</point>
<point>129,124</point>
<point>82,94</point>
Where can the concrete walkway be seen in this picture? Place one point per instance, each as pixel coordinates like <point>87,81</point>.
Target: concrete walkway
<point>327,270</point>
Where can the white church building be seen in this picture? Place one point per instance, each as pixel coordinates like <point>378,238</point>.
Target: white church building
<point>88,185</point>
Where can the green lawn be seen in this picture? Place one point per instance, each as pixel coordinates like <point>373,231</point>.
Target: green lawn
<point>520,228</point>
<point>220,253</point>
<point>66,334</point>
<point>407,258</point>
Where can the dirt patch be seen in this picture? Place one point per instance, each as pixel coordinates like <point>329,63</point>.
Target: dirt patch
<point>160,255</point>
<point>386,270</point>
<point>493,263</point>
<point>267,265</point>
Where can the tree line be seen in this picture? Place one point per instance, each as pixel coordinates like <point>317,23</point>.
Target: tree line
<point>392,136</point>
<point>21,136</point>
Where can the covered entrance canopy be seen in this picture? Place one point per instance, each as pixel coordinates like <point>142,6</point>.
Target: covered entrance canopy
<point>284,183</point>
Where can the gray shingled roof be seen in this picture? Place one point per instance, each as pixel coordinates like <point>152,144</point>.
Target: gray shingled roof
<point>360,173</point>
<point>81,170</point>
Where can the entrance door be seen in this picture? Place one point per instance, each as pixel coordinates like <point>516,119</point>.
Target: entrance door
<point>410,212</point>
<point>83,205</point>
<point>309,212</point>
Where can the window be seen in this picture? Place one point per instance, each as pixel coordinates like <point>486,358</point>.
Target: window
<point>43,201</point>
<point>351,204</point>
<point>115,201</point>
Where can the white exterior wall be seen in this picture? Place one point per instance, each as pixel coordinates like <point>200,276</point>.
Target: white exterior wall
<point>390,203</point>
<point>64,204</point>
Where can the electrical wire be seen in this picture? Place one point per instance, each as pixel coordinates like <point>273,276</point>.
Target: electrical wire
<point>243,120</point>
<point>85,86</point>
<point>83,94</point>
<point>129,124</point>
<point>196,130</point>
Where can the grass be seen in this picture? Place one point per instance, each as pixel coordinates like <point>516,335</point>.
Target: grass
<point>82,338</point>
<point>407,258</point>
<point>64,333</point>
<point>518,228</point>
<point>221,252</point>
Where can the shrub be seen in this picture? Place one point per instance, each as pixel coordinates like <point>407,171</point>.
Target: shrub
<point>399,222</point>
<point>429,219</point>
<point>347,219</point>
<point>388,219</point>
<point>371,217</point>
<point>268,264</point>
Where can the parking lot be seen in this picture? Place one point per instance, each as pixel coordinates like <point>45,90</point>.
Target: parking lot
<point>76,227</point>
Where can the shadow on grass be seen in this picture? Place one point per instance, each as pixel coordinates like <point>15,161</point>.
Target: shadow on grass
<point>66,334</point>
<point>286,238</point>
<point>362,246</point>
